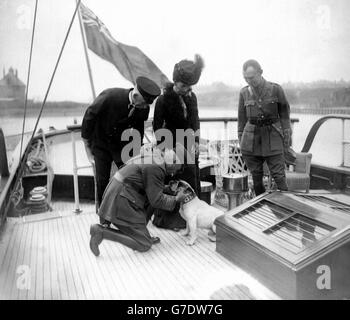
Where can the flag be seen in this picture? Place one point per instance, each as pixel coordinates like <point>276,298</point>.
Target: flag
<point>130,61</point>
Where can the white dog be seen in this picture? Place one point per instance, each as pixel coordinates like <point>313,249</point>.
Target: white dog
<point>196,212</point>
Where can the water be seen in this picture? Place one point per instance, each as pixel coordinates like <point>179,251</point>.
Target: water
<point>326,148</point>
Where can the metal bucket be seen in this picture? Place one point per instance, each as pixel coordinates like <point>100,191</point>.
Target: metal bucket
<point>235,182</point>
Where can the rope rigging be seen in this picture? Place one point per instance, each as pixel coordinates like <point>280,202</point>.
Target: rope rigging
<point>35,163</point>
<point>28,75</point>
<point>55,69</point>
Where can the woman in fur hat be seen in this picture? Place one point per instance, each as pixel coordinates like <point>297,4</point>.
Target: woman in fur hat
<point>176,110</point>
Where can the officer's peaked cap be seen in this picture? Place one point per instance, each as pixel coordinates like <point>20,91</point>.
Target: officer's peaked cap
<point>148,89</point>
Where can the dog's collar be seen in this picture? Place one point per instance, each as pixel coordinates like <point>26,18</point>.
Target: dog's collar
<point>189,198</point>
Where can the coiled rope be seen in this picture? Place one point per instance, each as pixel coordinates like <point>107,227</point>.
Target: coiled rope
<point>35,163</point>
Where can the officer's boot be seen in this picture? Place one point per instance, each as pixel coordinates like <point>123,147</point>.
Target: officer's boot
<point>117,236</point>
<point>98,233</point>
<point>96,238</point>
<point>281,184</point>
<point>259,187</point>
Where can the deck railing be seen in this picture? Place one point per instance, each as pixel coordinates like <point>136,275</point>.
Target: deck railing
<point>77,127</point>
<point>225,120</point>
<point>345,139</point>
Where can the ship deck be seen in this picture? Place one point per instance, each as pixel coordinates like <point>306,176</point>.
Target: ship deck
<point>47,256</point>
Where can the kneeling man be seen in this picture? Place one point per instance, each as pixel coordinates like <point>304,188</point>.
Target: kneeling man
<point>129,194</point>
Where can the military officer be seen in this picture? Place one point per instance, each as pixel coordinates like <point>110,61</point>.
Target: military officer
<point>129,194</point>
<point>264,128</point>
<point>112,112</point>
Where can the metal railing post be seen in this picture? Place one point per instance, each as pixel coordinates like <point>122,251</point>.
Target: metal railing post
<point>75,177</point>
<point>226,129</point>
<point>343,143</point>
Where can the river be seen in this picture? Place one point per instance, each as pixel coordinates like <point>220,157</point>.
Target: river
<point>326,148</point>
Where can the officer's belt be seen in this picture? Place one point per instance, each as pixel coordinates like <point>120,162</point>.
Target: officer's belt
<point>261,122</point>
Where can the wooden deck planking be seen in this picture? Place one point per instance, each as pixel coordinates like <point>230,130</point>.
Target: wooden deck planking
<point>101,267</point>
<point>19,259</point>
<point>33,262</point>
<point>64,282</point>
<point>83,268</point>
<point>54,278</point>
<point>95,274</point>
<point>169,273</point>
<point>188,252</point>
<point>63,267</point>
<point>23,294</point>
<point>39,287</point>
<point>8,267</point>
<point>73,261</point>
<point>181,260</point>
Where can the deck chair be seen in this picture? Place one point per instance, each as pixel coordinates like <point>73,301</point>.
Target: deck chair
<point>299,177</point>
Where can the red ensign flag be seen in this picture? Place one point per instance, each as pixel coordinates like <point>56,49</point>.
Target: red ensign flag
<point>130,61</point>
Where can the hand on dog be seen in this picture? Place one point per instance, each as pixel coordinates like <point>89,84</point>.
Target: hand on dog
<point>180,196</point>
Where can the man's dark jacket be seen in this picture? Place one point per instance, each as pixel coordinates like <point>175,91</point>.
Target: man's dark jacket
<point>106,119</point>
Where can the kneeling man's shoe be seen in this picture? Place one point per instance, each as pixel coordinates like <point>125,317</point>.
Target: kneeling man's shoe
<point>96,233</point>
<point>155,240</point>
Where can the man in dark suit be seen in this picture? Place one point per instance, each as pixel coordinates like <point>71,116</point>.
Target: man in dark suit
<point>112,112</point>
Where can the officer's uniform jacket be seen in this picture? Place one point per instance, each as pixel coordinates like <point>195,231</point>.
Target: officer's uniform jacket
<point>106,119</point>
<point>263,120</point>
<point>132,189</point>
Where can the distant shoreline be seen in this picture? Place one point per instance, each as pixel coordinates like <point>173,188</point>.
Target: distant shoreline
<point>56,109</point>
<point>62,111</point>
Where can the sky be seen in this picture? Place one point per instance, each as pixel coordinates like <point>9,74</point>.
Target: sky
<point>294,40</point>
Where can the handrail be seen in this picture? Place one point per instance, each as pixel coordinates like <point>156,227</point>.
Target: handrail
<point>312,133</point>
<point>77,127</point>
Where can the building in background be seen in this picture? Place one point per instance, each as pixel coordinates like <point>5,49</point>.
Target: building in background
<point>12,89</point>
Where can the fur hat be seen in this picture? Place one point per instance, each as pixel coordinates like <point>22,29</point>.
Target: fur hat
<point>187,71</point>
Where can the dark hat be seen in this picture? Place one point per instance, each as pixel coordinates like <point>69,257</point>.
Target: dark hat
<point>148,89</point>
<point>187,71</point>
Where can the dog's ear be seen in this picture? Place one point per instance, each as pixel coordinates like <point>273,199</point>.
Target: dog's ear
<point>186,185</point>
<point>183,183</point>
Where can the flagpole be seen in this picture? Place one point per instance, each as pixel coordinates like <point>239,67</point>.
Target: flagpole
<point>83,35</point>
